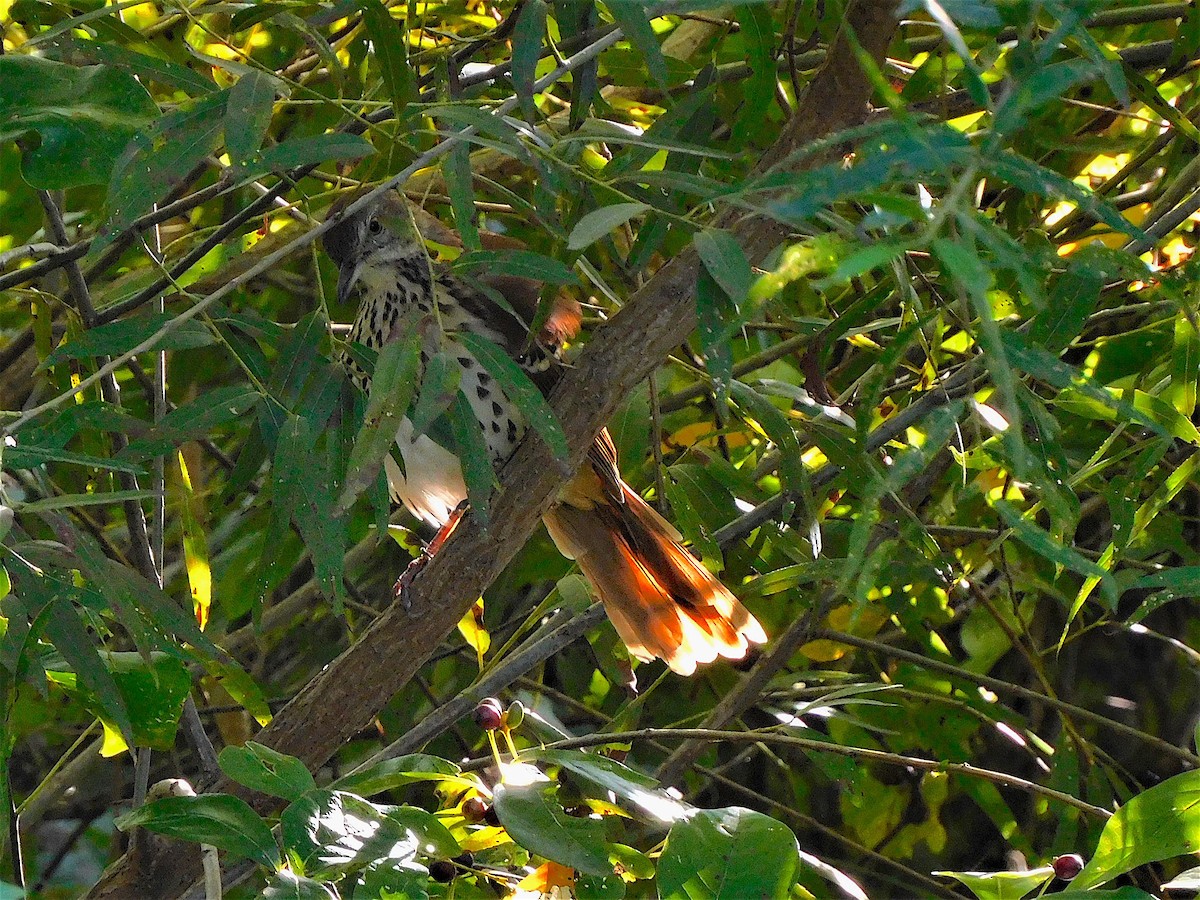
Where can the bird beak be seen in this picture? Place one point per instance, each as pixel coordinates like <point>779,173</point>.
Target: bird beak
<point>347,278</point>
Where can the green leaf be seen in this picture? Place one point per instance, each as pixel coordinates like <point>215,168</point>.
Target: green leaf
<point>1073,299</point>
<point>775,425</point>
<point>1040,86</point>
<point>25,456</point>
<point>728,853</point>
<point>225,822</point>
<point>198,418</point>
<point>1162,822</point>
<point>145,66</point>
<point>713,315</point>
<point>262,769</point>
<point>156,159</point>
<point>527,50</point>
<point>120,337</point>
<point>631,16</point>
<point>1044,545</point>
<point>248,115</point>
<point>439,387</point>
<point>154,695</point>
<point>477,470</point>
<point>1002,885</point>
<point>70,501</point>
<point>71,639</point>
<point>394,773</point>
<point>287,885</point>
<point>726,262</point>
<point>533,818</point>
<point>610,775</point>
<point>83,117</point>
<point>334,832</point>
<point>302,487</point>
<point>574,18</point>
<point>456,168</point>
<point>518,387</point>
<point>1034,179</point>
<point>600,222</point>
<point>307,151</point>
<point>392,386</point>
<point>255,13</point>
<point>968,269</point>
<point>758,39</point>
<point>391,52</point>
<point>522,263</point>
<point>1185,366</point>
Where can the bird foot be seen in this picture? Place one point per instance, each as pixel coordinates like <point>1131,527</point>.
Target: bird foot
<point>402,589</point>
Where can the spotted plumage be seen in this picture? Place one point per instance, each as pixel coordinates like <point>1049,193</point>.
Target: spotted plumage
<point>661,600</point>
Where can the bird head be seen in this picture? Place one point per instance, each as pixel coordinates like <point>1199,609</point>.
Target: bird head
<point>381,232</point>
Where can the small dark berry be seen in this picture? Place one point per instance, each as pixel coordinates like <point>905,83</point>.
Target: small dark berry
<point>490,816</point>
<point>474,809</point>
<point>466,860</point>
<point>442,871</point>
<point>1067,866</point>
<point>488,714</point>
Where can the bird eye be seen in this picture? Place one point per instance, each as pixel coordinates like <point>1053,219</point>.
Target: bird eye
<point>374,226</point>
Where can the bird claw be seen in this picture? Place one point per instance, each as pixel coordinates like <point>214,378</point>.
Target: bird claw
<point>402,589</point>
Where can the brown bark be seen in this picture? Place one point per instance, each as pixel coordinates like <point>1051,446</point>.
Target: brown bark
<point>351,690</point>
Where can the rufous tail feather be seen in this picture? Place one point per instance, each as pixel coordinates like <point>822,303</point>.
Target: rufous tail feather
<point>659,597</point>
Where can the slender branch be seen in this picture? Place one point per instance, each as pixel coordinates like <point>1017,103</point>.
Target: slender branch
<point>512,668</point>
<point>1007,687</point>
<point>711,735</point>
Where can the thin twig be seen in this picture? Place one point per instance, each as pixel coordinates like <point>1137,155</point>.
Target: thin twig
<point>1007,687</point>
<point>711,735</point>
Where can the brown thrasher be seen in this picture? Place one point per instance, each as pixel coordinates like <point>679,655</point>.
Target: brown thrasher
<point>661,600</point>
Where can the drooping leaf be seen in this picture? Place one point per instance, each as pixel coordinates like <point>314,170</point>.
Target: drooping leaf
<point>518,387</point>
<point>391,51</point>
<point>303,489</point>
<point>713,313</point>
<point>195,548</point>
<point>457,170</point>
<point>531,815</point>
<point>527,49</point>
<point>477,470</point>
<point>725,261</point>
<point>392,386</point>
<point>225,822</point>
<point>248,115</point>
<point>631,16</point>
<point>70,638</point>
